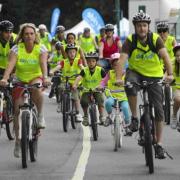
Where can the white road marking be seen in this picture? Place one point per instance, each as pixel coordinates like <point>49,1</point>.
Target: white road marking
<point>83,160</point>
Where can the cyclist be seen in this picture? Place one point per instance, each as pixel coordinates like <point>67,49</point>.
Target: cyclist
<point>109,45</point>
<point>100,36</point>
<point>110,80</point>
<point>44,36</point>
<point>144,64</point>
<point>71,39</point>
<point>71,66</point>
<point>30,59</point>
<point>53,61</point>
<point>169,41</point>
<point>91,77</point>
<point>6,42</point>
<point>59,35</point>
<point>176,72</point>
<point>87,41</point>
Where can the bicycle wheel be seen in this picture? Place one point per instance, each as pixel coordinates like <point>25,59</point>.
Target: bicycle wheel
<point>57,94</point>
<point>73,115</point>
<point>148,143</point>
<point>8,119</point>
<point>93,118</point>
<point>167,106</point>
<point>117,142</point>
<point>65,112</point>
<point>25,138</point>
<point>33,143</point>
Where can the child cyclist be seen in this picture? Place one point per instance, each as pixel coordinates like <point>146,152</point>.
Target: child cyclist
<point>71,66</point>
<point>109,81</point>
<point>91,77</point>
<point>176,89</point>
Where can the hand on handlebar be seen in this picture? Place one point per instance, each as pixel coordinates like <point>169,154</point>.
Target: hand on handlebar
<point>3,82</point>
<point>169,78</point>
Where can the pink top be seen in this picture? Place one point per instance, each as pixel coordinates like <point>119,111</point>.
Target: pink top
<point>108,50</point>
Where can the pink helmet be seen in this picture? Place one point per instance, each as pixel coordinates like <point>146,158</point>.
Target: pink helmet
<point>114,57</point>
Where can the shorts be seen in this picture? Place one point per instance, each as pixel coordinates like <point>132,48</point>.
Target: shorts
<point>98,98</point>
<point>155,92</point>
<point>104,63</point>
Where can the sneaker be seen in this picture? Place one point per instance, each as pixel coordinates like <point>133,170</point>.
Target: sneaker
<point>101,120</point>
<point>134,124</point>
<point>51,94</point>
<point>79,117</point>
<point>178,126</point>
<point>17,149</point>
<point>41,122</point>
<point>108,121</point>
<point>85,121</point>
<point>128,131</point>
<point>159,151</point>
<point>174,122</point>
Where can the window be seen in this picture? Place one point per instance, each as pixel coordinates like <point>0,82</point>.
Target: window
<point>142,8</point>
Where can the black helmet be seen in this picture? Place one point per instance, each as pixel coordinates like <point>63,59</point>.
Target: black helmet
<point>60,29</point>
<point>109,27</point>
<point>70,46</point>
<point>162,26</point>
<point>93,55</point>
<point>141,17</point>
<point>176,47</point>
<point>58,45</point>
<point>6,26</point>
<point>102,29</point>
<point>86,29</point>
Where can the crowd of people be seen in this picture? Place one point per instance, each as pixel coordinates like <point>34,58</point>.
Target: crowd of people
<point>32,56</point>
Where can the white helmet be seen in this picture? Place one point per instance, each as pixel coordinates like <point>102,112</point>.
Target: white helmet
<point>42,26</point>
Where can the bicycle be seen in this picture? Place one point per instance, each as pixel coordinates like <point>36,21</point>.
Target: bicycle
<point>93,111</point>
<point>67,103</point>
<point>147,126</point>
<point>6,111</point>
<point>117,121</point>
<point>28,125</point>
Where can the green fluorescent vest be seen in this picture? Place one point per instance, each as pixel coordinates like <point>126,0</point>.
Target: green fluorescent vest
<point>91,81</point>
<point>46,42</point>
<point>56,58</point>
<point>69,70</point>
<point>87,44</point>
<point>4,55</point>
<point>146,63</point>
<point>121,96</point>
<point>169,47</point>
<point>28,65</point>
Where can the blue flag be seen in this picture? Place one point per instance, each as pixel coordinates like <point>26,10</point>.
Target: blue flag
<point>54,21</point>
<point>93,18</point>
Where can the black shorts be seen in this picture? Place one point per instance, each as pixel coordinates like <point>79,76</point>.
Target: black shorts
<point>155,92</point>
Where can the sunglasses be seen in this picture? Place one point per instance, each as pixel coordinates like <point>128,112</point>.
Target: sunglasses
<point>109,30</point>
<point>162,30</point>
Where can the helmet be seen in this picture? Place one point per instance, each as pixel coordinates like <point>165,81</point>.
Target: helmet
<point>176,47</point>
<point>114,57</point>
<point>58,45</point>
<point>162,26</point>
<point>60,29</point>
<point>93,55</point>
<point>42,26</point>
<point>141,17</point>
<point>6,26</point>
<point>86,29</point>
<point>109,27</point>
<point>70,46</point>
<point>102,29</point>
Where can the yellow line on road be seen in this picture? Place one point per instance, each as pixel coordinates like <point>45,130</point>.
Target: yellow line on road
<point>83,160</point>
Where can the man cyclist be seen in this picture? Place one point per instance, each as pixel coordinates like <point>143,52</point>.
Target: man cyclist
<point>6,42</point>
<point>144,65</point>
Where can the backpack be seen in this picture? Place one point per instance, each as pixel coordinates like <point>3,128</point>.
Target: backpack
<point>152,47</point>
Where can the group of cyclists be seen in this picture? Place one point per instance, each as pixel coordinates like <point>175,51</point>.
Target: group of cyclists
<point>32,57</point>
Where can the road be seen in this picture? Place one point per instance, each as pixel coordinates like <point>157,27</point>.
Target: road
<point>75,156</point>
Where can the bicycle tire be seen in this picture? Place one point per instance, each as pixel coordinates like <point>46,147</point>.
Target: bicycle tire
<point>116,133</point>
<point>8,119</point>
<point>167,106</point>
<point>24,139</point>
<point>73,115</point>
<point>65,112</point>
<point>33,144</point>
<point>93,120</point>
<point>57,94</point>
<point>121,134</point>
<point>148,143</point>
